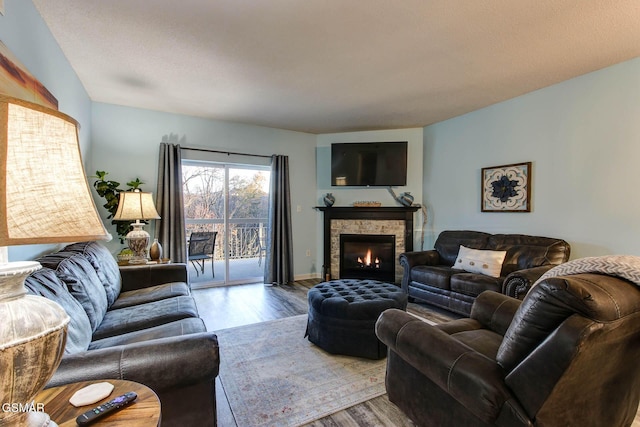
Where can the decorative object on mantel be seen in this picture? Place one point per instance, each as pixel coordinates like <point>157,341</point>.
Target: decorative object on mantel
<point>367,204</point>
<point>329,200</point>
<point>406,199</point>
<point>506,188</point>
<point>36,209</point>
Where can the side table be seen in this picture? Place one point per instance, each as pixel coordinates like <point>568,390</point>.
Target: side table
<point>143,412</point>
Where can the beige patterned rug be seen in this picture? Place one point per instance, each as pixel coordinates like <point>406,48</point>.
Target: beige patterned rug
<point>273,376</point>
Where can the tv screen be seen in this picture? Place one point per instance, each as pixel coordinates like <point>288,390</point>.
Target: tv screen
<point>365,164</point>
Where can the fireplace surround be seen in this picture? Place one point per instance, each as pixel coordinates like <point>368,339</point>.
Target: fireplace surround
<point>394,221</point>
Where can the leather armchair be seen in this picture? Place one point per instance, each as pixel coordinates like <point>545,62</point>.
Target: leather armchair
<point>564,356</point>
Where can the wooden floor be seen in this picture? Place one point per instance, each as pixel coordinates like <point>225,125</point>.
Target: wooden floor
<point>231,306</point>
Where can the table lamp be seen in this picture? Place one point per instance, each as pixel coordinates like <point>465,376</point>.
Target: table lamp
<point>136,205</point>
<point>44,198</point>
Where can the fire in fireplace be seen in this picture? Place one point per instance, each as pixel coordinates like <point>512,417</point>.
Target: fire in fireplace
<point>367,256</point>
<point>369,261</point>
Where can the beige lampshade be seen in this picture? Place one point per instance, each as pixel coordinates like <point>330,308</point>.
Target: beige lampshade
<point>44,194</point>
<point>44,198</point>
<point>134,205</point>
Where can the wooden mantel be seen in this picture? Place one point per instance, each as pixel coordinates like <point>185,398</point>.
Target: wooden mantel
<point>367,213</point>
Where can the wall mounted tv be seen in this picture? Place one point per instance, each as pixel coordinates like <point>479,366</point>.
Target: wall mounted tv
<point>365,164</point>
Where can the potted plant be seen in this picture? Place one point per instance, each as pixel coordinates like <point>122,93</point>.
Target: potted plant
<point>111,192</point>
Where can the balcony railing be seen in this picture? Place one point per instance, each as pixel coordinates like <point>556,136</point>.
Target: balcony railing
<point>246,239</point>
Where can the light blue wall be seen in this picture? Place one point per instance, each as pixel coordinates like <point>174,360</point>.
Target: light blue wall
<point>126,143</point>
<point>583,138</point>
<point>27,36</point>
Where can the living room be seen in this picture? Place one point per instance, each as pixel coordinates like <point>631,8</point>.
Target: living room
<point>581,135</point>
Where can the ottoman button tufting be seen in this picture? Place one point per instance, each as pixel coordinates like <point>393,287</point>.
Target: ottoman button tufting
<point>342,315</point>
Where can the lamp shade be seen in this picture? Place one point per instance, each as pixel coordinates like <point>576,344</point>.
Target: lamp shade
<point>44,193</point>
<point>44,198</point>
<point>134,205</point>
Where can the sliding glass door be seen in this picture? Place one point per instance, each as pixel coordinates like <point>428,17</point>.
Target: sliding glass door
<point>231,200</point>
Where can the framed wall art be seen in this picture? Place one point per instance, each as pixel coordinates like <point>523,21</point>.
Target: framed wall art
<point>16,81</point>
<point>506,188</point>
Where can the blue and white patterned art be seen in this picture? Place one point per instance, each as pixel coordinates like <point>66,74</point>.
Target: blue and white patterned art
<point>507,188</point>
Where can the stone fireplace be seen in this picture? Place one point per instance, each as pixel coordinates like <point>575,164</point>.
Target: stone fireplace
<point>370,223</point>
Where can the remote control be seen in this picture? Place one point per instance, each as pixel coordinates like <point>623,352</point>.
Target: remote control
<point>106,408</point>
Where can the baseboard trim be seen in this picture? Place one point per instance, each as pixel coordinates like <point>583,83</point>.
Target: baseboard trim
<point>306,276</point>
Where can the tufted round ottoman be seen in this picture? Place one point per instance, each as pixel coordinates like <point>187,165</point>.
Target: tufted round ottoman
<point>343,313</point>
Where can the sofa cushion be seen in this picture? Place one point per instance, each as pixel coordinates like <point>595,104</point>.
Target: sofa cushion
<point>105,265</point>
<point>45,283</point>
<point>474,284</point>
<point>82,282</point>
<point>436,276</point>
<point>485,262</point>
<point>525,251</point>
<point>150,294</point>
<point>448,243</point>
<point>137,317</point>
<point>174,329</point>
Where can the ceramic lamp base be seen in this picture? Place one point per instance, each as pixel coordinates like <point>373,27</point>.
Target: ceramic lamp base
<point>138,240</point>
<point>32,419</point>
<point>32,340</point>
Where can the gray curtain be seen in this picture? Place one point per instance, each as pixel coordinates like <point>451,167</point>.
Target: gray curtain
<point>279,257</point>
<point>169,201</point>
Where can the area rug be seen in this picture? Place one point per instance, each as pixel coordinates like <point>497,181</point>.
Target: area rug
<point>273,376</point>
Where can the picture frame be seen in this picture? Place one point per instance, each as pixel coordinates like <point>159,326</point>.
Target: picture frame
<point>506,188</point>
<point>18,82</point>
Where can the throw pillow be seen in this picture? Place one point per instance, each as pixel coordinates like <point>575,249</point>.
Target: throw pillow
<point>484,262</point>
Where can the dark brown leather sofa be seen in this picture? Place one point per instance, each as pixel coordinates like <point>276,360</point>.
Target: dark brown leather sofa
<point>430,276</point>
<point>138,323</point>
<point>567,355</point>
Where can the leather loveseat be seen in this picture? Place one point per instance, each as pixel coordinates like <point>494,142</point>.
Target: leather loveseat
<point>434,277</point>
<point>137,323</point>
<point>567,355</point>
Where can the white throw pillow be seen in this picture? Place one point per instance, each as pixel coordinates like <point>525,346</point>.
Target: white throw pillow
<point>488,263</point>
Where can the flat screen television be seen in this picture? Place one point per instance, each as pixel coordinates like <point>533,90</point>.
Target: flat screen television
<point>369,164</point>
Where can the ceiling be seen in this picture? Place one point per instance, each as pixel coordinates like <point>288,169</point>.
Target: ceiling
<point>324,66</point>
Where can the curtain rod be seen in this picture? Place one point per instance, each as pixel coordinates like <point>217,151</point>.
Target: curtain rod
<point>228,153</point>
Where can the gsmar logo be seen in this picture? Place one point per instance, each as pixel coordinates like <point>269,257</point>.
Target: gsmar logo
<point>23,407</point>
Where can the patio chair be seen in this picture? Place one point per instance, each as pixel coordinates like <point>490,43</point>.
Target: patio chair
<point>201,246</point>
<point>262,251</point>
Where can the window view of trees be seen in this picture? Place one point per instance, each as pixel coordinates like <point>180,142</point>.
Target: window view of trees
<point>248,204</point>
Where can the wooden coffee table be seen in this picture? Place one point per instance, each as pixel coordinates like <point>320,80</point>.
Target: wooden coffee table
<point>143,412</point>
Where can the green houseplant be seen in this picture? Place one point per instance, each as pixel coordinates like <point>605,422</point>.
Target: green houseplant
<point>110,190</point>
